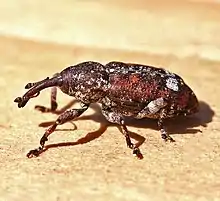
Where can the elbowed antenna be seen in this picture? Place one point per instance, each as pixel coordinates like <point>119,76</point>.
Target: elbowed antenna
<point>36,88</point>
<point>30,85</point>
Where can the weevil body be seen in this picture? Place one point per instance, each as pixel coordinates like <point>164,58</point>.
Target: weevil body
<point>122,89</point>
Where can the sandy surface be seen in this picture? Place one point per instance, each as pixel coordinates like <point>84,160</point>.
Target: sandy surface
<point>89,160</point>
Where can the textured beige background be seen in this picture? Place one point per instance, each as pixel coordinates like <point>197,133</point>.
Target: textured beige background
<point>39,39</point>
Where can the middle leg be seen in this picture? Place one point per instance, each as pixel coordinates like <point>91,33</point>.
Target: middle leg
<point>119,119</point>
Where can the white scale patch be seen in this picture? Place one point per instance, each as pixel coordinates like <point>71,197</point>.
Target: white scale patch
<point>155,105</point>
<point>172,83</point>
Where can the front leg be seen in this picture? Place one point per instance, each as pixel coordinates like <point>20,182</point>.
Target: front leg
<point>63,118</point>
<point>53,102</point>
<point>118,119</point>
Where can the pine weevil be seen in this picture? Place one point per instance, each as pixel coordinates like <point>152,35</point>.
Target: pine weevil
<point>122,89</point>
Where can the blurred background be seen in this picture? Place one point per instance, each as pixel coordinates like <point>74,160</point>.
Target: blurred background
<point>177,27</point>
<point>39,38</point>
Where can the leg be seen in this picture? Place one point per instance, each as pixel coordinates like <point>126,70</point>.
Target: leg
<point>63,118</point>
<point>118,119</point>
<point>53,108</point>
<point>164,135</point>
<point>53,102</point>
<point>152,108</point>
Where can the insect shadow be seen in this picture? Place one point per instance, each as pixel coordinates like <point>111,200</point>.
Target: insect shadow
<point>178,125</point>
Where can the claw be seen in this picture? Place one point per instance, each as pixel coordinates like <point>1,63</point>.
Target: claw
<point>171,139</point>
<point>137,152</point>
<point>166,138</point>
<point>34,152</point>
<point>40,108</point>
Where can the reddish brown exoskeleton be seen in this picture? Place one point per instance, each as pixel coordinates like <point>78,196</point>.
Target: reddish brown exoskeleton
<point>123,89</point>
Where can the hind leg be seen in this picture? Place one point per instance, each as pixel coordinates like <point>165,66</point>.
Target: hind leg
<point>118,119</point>
<point>164,135</point>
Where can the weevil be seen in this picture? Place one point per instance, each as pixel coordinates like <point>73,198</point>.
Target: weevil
<point>122,89</point>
